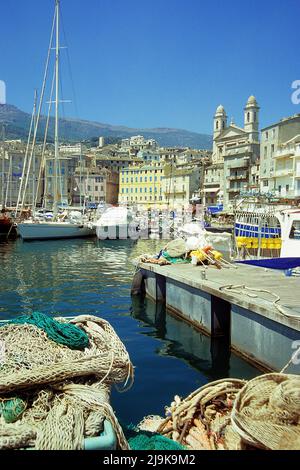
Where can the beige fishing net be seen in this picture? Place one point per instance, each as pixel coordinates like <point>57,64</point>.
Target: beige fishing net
<point>266,412</point>
<point>201,421</point>
<point>232,414</point>
<point>63,394</point>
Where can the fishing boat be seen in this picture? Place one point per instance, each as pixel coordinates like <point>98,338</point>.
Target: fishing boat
<point>257,231</point>
<point>56,227</point>
<point>290,232</point>
<point>268,236</point>
<point>5,224</point>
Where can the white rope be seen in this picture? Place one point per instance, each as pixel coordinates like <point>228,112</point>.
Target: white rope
<point>290,361</point>
<point>274,303</point>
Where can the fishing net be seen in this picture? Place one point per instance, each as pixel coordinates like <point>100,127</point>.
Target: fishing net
<point>51,396</point>
<point>176,248</point>
<point>142,437</point>
<point>201,421</point>
<point>61,333</point>
<point>232,414</point>
<point>145,441</point>
<point>266,412</point>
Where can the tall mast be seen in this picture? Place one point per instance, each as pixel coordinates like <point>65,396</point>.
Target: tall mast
<point>8,182</point>
<point>3,167</point>
<point>56,155</point>
<point>33,161</point>
<point>29,155</point>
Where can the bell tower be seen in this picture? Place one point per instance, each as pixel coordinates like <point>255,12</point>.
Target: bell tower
<point>251,119</point>
<point>220,124</point>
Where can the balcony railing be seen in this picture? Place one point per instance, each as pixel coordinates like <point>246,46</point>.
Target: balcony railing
<point>284,172</point>
<point>284,153</point>
<point>243,164</point>
<point>290,151</point>
<point>238,177</point>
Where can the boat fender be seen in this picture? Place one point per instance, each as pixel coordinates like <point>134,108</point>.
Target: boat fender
<point>138,284</point>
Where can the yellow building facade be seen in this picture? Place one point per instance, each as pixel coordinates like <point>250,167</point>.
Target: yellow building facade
<point>142,185</point>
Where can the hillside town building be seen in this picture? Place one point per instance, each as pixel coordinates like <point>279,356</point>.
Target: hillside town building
<point>138,171</point>
<point>279,158</point>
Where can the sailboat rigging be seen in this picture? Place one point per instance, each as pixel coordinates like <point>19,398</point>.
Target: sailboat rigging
<point>72,225</point>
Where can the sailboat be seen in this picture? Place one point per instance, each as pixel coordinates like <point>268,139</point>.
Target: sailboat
<point>56,228</point>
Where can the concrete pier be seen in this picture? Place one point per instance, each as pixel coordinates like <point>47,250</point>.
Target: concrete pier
<point>248,319</point>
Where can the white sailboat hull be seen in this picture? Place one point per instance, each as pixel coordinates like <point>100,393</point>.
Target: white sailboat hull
<point>53,230</point>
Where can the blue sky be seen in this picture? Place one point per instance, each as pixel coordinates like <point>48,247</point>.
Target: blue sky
<point>157,63</point>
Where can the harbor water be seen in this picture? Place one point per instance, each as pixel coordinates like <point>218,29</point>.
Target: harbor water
<point>88,276</point>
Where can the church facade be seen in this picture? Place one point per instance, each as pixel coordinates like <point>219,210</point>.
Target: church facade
<point>235,151</point>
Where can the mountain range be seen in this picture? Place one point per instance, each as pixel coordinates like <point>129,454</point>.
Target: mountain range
<point>16,124</point>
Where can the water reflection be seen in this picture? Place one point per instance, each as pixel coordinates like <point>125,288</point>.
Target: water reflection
<point>66,276</point>
<point>211,356</point>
